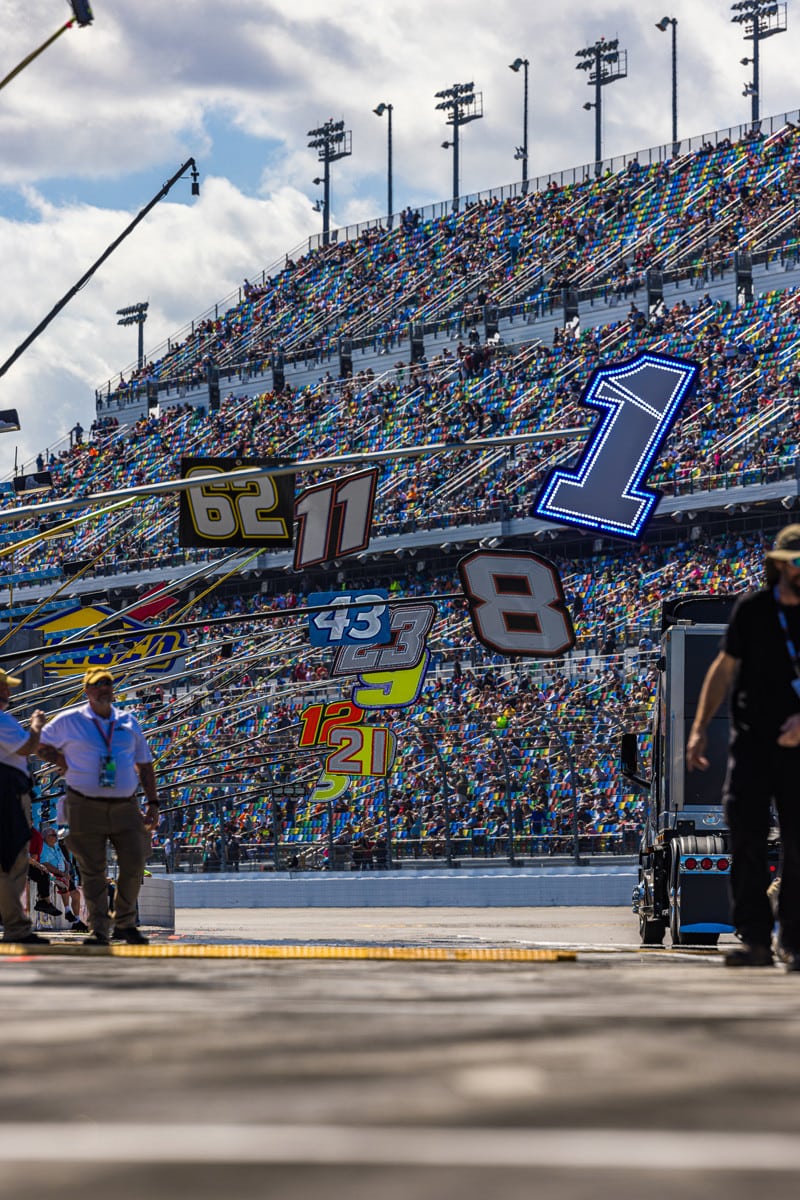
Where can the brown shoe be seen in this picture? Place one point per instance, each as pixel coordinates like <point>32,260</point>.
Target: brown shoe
<point>749,956</point>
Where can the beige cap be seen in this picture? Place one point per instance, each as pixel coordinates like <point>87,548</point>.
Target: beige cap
<point>787,544</point>
<point>11,680</point>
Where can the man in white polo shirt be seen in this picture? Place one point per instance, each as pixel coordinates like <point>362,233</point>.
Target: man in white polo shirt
<point>15,814</point>
<point>102,752</point>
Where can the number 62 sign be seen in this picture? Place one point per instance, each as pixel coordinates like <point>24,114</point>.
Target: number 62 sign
<point>250,512</point>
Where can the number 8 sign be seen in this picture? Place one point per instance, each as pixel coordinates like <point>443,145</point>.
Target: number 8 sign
<point>516,603</point>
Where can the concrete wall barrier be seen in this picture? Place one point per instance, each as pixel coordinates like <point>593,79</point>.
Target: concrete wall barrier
<point>541,887</point>
<point>157,902</point>
<point>156,907</point>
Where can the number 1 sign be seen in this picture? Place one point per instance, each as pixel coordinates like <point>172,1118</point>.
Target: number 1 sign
<point>641,399</point>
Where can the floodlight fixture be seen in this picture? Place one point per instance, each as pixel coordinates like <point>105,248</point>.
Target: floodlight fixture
<point>331,141</point>
<point>135,314</point>
<point>462,104</point>
<point>760,19</point>
<point>605,63</point>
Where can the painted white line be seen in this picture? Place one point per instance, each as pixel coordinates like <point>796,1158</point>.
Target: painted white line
<point>342,1145</point>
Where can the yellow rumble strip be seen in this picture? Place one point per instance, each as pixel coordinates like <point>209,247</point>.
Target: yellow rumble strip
<point>342,953</point>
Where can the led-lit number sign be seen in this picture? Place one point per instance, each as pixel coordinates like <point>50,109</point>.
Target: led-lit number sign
<point>640,400</point>
<point>252,512</point>
<point>361,750</point>
<point>344,625</point>
<point>334,518</point>
<point>391,676</point>
<point>516,603</point>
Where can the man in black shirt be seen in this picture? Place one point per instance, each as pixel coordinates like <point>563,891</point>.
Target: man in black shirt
<point>760,663</point>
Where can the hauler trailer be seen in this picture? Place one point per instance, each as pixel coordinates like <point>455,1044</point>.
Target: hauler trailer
<point>684,856</point>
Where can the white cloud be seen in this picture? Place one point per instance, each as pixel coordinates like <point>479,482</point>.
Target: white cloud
<point>180,259</point>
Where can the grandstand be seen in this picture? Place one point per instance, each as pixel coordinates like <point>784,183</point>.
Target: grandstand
<point>447,326</point>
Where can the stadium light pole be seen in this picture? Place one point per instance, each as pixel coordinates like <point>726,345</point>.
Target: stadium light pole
<point>462,104</point>
<point>606,63</point>
<point>332,142</point>
<point>761,19</point>
<point>379,111</point>
<point>522,151</point>
<point>135,314</point>
<point>663,25</point>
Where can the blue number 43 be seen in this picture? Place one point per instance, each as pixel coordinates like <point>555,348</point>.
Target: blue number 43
<point>640,400</point>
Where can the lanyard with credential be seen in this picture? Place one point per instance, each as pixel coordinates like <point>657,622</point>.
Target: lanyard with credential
<point>790,646</point>
<point>105,736</point>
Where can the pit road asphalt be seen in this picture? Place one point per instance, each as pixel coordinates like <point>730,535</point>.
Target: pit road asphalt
<point>624,1073</point>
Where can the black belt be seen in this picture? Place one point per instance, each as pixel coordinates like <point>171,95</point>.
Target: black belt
<point>102,799</point>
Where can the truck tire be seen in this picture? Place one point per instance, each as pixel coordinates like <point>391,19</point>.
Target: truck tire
<point>687,845</point>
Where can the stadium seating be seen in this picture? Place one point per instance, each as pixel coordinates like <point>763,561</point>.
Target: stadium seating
<point>528,756</point>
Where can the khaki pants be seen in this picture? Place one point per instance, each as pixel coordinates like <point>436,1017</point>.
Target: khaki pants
<point>92,824</point>
<point>16,923</point>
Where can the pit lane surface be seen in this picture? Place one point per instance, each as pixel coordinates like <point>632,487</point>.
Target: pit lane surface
<point>620,1074</point>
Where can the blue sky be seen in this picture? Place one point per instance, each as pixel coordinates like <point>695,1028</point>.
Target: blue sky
<point>92,129</point>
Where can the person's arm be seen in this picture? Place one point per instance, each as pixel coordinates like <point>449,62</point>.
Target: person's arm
<point>31,744</point>
<point>52,755</point>
<point>716,684</point>
<point>147,775</point>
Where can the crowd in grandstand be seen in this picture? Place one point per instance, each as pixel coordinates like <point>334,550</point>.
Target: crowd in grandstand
<point>528,754</point>
<point>687,214</point>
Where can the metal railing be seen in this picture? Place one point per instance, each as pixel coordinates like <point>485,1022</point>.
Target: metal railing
<point>475,848</point>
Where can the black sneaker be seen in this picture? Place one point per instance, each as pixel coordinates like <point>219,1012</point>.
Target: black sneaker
<point>46,907</point>
<point>96,939</point>
<point>30,939</point>
<point>79,926</point>
<point>749,956</point>
<point>132,935</point>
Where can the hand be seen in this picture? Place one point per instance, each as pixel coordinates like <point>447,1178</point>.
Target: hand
<point>790,731</point>
<point>151,818</point>
<point>696,751</point>
<point>59,762</point>
<point>38,720</point>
